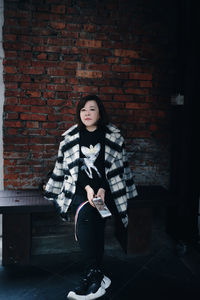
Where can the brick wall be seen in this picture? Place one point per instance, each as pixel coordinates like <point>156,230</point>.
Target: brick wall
<point>58,50</point>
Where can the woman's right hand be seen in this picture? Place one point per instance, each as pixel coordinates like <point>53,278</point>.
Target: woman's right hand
<point>90,194</point>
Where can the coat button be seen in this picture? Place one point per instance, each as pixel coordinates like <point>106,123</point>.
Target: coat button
<point>66,177</point>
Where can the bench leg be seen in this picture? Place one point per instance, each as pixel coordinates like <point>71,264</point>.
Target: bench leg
<point>139,231</point>
<point>16,241</point>
<point>136,239</point>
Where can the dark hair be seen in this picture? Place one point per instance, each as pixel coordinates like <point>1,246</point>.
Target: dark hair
<point>103,120</point>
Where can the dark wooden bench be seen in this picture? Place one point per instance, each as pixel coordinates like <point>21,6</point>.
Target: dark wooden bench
<point>136,239</point>
<point>17,208</point>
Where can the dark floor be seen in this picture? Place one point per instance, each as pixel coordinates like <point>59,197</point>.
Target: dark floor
<point>159,275</point>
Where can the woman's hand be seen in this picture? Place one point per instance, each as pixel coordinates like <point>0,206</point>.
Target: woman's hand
<point>101,194</point>
<point>90,194</point>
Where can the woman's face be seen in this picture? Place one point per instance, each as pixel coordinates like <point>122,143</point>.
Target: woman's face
<point>89,115</point>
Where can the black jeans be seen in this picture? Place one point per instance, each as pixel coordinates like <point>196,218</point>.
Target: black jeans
<point>90,229</point>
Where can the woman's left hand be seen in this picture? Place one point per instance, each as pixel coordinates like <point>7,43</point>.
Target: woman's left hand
<point>101,194</point>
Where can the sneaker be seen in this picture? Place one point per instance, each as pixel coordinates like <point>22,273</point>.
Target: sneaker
<point>91,286</point>
<point>95,288</point>
<point>80,291</point>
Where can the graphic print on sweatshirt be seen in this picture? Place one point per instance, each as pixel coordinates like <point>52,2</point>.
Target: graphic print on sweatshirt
<point>91,153</point>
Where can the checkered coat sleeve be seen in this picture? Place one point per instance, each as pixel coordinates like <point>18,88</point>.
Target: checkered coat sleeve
<point>55,183</point>
<point>131,191</point>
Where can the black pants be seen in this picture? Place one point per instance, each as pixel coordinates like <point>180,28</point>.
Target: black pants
<point>90,229</point>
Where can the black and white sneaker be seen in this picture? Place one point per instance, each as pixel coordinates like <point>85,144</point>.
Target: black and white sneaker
<point>95,289</point>
<point>92,286</point>
<point>80,291</point>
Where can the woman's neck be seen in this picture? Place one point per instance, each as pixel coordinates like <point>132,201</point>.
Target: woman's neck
<point>91,128</point>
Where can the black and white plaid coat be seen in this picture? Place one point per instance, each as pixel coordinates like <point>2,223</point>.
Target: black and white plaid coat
<point>61,186</point>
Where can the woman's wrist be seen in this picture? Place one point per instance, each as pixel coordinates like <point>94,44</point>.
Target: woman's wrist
<point>87,187</point>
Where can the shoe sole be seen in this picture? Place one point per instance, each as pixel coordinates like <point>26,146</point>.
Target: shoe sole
<point>106,282</point>
<point>74,296</point>
<point>101,291</point>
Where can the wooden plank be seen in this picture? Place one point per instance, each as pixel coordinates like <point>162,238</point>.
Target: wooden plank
<point>23,193</point>
<point>25,204</point>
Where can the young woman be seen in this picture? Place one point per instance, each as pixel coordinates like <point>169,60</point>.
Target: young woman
<point>91,162</point>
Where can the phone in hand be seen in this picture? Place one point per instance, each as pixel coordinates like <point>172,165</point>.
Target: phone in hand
<point>101,207</point>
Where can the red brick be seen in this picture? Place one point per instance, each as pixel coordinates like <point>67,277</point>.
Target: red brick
<point>11,85</point>
<point>42,56</point>
<point>33,86</point>
<point>126,61</point>
<point>17,78</point>
<point>11,101</point>
<point>59,87</point>
<point>16,108</point>
<point>126,53</point>
<point>98,67</point>
<point>68,65</point>
<point>141,76</point>
<point>111,90</point>
<point>33,94</point>
<point>15,155</point>
<point>47,125</point>
<point>113,60</point>
<point>17,46</point>
<point>68,118</point>
<point>89,43</point>
<point>33,117</point>
<point>31,101</point>
<point>13,124</point>
<point>88,74</point>
<point>58,25</point>
<point>136,91</point>
<point>47,48</point>
<point>153,127</point>
<point>73,27</point>
<point>55,102</point>
<point>42,109</point>
<point>90,27</point>
<point>85,89</point>
<point>10,37</point>
<point>146,84</point>
<point>49,94</point>
<point>138,105</point>
<point>33,71</point>
<point>100,52</point>
<point>10,70</point>
<point>123,68</point>
<point>123,98</point>
<point>32,124</point>
<point>54,117</point>
<point>56,72</point>
<point>11,116</point>
<point>58,9</point>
